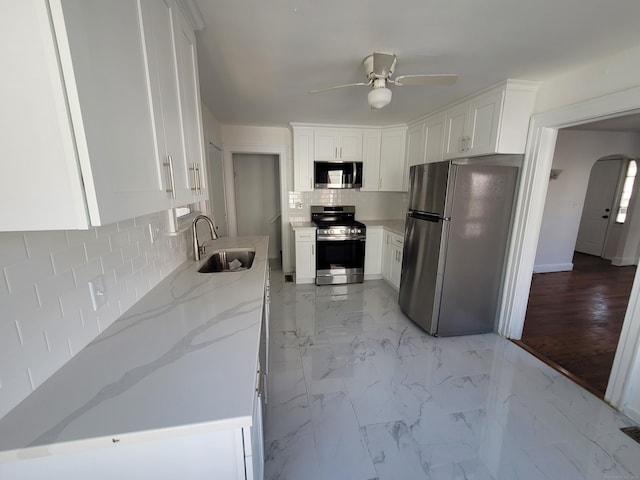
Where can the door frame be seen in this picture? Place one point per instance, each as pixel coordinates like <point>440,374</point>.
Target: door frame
<point>541,141</point>
<point>232,219</point>
<point>212,145</point>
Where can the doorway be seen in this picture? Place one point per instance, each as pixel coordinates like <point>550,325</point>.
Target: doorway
<point>578,300</point>
<point>257,197</point>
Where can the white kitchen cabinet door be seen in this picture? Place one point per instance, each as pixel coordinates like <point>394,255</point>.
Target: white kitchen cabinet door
<point>396,261</point>
<point>40,184</point>
<point>455,120</point>
<point>191,179</point>
<point>434,141</point>
<point>371,161</point>
<point>387,256</point>
<point>484,121</point>
<point>392,160</point>
<point>338,144</point>
<point>416,144</point>
<point>254,441</point>
<point>305,262</point>
<point>350,145</point>
<point>373,252</point>
<point>326,144</point>
<point>79,124</point>
<point>157,18</point>
<point>107,87</point>
<point>303,159</point>
<point>305,255</point>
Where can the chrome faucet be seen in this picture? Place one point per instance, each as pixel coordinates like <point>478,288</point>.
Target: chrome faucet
<point>198,250</point>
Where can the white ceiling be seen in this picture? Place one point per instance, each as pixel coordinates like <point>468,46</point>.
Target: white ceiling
<point>258,58</point>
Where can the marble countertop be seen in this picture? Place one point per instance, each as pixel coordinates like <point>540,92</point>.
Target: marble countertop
<point>296,225</point>
<point>396,226</point>
<point>183,357</point>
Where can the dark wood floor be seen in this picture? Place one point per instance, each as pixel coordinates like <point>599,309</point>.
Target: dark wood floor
<point>574,318</point>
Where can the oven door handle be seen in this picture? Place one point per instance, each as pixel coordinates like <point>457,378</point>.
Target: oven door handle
<point>340,238</point>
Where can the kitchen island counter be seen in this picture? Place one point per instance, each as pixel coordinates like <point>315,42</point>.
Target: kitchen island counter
<point>182,359</point>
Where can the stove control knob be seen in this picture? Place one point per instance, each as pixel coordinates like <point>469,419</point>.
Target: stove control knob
<point>332,231</point>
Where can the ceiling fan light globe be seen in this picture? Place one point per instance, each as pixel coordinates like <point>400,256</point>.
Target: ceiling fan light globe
<point>379,97</point>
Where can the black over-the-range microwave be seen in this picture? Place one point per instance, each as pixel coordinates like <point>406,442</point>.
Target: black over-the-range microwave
<point>338,174</point>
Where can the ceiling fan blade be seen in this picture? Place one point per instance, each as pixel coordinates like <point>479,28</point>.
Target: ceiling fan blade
<point>418,80</point>
<point>363,84</point>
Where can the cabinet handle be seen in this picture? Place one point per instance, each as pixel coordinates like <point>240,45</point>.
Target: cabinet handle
<point>313,249</point>
<point>379,183</point>
<point>194,168</point>
<point>311,182</point>
<point>336,152</point>
<point>172,182</point>
<point>199,178</point>
<point>340,152</point>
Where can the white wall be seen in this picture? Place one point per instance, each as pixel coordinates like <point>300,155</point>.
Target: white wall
<point>596,79</point>
<point>212,128</point>
<point>576,153</point>
<point>369,205</point>
<point>47,315</point>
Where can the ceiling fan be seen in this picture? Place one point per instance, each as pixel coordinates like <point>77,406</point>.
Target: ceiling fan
<point>379,67</point>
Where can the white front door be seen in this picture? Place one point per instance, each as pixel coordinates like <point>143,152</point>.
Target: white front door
<point>599,208</point>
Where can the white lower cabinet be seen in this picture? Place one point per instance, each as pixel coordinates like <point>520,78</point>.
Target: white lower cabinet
<point>305,255</point>
<point>392,258</point>
<point>253,438</point>
<point>373,253</point>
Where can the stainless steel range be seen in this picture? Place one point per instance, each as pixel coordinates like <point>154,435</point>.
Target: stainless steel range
<point>340,244</point>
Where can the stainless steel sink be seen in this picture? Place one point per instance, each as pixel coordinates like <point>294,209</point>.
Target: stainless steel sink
<point>229,260</point>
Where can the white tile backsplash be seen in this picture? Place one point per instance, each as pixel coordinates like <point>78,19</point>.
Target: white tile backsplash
<point>47,315</point>
<point>369,205</point>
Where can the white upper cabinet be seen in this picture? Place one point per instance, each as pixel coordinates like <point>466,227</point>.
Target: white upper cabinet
<point>492,122</point>
<point>81,125</point>
<point>303,159</point>
<point>343,144</point>
<point>157,18</point>
<point>434,138</point>
<point>371,161</point>
<point>393,162</point>
<point>193,186</point>
<point>416,144</point>
<point>170,47</point>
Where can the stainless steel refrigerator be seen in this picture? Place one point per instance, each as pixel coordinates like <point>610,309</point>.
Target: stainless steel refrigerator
<point>456,234</point>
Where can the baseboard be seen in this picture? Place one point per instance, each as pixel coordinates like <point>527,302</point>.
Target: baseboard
<point>624,261</point>
<point>553,267</point>
<point>632,413</point>
<point>372,276</point>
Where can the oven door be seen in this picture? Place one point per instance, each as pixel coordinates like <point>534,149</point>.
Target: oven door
<point>339,260</point>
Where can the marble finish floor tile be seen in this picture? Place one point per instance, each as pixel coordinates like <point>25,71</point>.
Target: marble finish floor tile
<point>357,391</point>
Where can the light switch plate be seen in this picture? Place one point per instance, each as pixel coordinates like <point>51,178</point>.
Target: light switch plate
<point>98,292</point>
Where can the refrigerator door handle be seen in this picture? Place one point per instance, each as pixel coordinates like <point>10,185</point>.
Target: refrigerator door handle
<point>429,217</point>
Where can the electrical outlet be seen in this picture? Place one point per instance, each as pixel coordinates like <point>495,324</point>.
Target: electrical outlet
<point>154,232</point>
<point>299,205</point>
<point>98,292</point>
